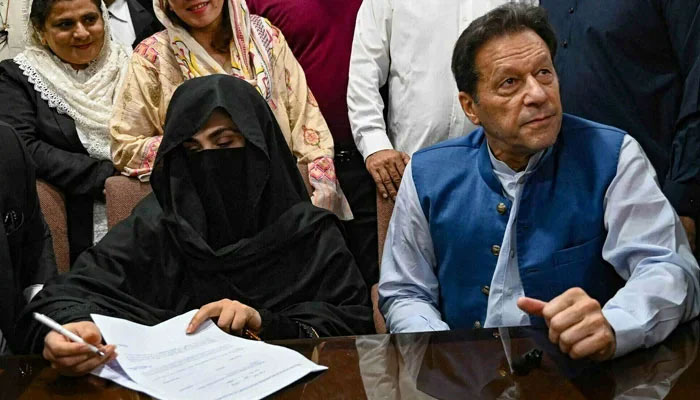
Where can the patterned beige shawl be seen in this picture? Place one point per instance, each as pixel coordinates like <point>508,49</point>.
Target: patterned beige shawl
<point>251,48</point>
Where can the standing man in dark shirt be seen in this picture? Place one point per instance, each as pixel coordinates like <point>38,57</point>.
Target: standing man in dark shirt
<point>320,34</point>
<point>635,64</point>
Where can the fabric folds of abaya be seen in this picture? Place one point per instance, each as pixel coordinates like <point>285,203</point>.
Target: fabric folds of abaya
<point>26,250</point>
<point>291,263</point>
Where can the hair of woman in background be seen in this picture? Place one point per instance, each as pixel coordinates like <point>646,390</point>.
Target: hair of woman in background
<point>199,40</point>
<point>58,95</point>
<point>229,228</point>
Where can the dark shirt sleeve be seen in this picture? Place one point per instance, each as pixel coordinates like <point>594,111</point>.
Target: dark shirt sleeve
<point>39,259</point>
<point>316,319</point>
<point>682,184</point>
<point>74,173</point>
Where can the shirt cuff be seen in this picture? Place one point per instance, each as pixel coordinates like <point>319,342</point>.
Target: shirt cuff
<point>419,323</point>
<point>629,335</point>
<point>372,142</point>
<point>684,197</point>
<point>412,316</point>
<point>31,291</point>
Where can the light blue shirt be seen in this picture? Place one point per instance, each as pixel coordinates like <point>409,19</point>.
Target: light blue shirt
<point>645,243</point>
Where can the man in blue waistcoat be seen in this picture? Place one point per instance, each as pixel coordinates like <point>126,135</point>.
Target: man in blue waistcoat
<point>535,216</point>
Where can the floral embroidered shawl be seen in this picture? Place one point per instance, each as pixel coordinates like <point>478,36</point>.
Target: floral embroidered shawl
<point>251,48</point>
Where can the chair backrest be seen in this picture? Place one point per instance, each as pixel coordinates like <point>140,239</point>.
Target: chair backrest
<point>304,171</point>
<point>384,209</point>
<point>53,206</point>
<point>123,193</point>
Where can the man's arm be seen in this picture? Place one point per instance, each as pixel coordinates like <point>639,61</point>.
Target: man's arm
<point>682,184</point>
<point>647,246</point>
<point>369,70</point>
<point>408,287</point>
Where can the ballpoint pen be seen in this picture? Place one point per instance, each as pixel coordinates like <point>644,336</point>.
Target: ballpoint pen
<point>65,332</point>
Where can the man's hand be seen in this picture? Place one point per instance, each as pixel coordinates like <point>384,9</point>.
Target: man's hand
<point>233,316</point>
<point>689,225</point>
<point>576,323</point>
<point>386,168</point>
<point>75,359</point>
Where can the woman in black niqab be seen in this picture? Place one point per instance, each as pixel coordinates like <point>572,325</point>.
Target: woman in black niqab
<point>221,224</point>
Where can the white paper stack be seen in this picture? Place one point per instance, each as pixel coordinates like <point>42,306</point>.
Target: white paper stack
<point>164,362</point>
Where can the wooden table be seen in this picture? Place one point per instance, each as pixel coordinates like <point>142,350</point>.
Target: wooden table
<point>443,365</point>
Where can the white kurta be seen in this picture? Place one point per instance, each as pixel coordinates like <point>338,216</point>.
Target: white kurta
<point>408,44</point>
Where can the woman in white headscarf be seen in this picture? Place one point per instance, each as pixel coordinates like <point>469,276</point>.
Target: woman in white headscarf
<point>205,37</point>
<point>58,95</point>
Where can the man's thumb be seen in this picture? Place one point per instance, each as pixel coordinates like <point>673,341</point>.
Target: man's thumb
<point>531,306</point>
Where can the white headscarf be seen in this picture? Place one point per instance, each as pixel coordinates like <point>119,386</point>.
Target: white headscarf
<point>86,95</point>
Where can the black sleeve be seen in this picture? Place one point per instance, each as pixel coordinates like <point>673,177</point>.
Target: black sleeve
<point>316,319</point>
<point>118,277</point>
<point>35,259</point>
<point>682,185</point>
<point>39,261</point>
<point>74,173</point>
<point>337,300</point>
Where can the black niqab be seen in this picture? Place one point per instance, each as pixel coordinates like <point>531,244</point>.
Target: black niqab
<point>220,184</point>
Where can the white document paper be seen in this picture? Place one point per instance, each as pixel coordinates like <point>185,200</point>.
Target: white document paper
<point>114,372</point>
<point>164,362</point>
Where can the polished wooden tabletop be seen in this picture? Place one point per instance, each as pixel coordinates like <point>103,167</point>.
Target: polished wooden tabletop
<point>440,365</point>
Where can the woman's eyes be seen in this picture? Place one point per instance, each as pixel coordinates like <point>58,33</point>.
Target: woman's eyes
<point>88,20</point>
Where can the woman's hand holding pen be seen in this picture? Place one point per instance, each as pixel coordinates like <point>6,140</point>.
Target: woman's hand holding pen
<point>74,359</point>
<point>233,317</point>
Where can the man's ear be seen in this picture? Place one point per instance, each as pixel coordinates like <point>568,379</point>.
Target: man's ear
<point>469,106</point>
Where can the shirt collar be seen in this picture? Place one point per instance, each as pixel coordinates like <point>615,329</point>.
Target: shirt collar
<point>119,10</point>
<point>503,168</point>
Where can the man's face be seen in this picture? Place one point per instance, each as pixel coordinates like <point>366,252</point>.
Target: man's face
<point>518,93</point>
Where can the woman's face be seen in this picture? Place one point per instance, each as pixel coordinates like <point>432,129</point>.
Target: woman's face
<point>198,14</point>
<point>74,31</point>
